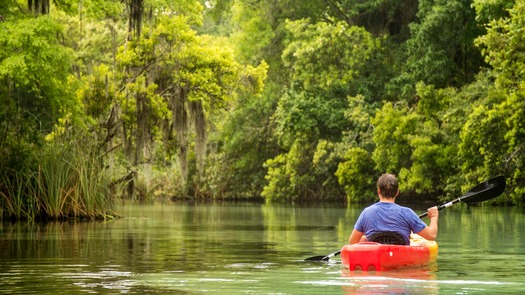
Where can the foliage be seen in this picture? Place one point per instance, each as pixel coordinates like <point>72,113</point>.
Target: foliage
<point>380,17</point>
<point>356,174</point>
<point>289,100</point>
<point>314,113</point>
<point>34,67</point>
<point>440,50</point>
<point>245,142</point>
<point>489,10</point>
<point>70,183</point>
<point>493,137</point>
<point>300,172</point>
<point>419,144</point>
<point>36,92</point>
<point>307,119</point>
<point>327,55</point>
<point>326,60</point>
<point>178,79</point>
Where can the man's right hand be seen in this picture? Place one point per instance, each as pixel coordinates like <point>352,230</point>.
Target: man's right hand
<point>433,212</point>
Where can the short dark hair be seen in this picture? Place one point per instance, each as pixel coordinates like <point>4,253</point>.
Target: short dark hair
<point>388,185</point>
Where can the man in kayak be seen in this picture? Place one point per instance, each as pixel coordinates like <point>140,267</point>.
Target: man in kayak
<point>387,216</point>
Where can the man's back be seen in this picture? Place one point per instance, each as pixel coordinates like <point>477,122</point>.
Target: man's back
<point>386,216</point>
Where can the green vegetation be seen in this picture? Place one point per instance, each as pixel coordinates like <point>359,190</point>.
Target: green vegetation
<point>234,99</point>
<point>70,182</point>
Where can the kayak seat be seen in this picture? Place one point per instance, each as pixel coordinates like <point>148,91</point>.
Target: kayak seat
<point>387,237</point>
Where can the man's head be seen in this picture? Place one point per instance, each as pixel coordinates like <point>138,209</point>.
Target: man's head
<point>388,186</point>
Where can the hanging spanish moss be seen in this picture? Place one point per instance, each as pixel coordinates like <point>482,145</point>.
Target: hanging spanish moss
<point>199,121</point>
<point>142,131</point>
<point>180,125</point>
<point>38,6</point>
<point>135,9</point>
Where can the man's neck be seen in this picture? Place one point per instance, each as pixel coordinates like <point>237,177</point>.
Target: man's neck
<point>387,200</point>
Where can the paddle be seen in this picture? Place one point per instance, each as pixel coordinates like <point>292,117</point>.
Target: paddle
<point>323,257</point>
<point>484,191</point>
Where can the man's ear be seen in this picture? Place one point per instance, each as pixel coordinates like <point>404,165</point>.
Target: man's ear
<point>397,192</point>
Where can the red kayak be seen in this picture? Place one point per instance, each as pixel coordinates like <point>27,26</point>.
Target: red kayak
<point>370,256</point>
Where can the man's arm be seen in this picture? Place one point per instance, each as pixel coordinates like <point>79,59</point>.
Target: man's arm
<point>430,232</point>
<point>355,237</point>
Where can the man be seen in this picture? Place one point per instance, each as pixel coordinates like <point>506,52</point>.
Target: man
<point>387,216</point>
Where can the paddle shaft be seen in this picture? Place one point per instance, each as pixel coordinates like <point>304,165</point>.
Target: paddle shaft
<point>441,207</point>
<point>327,257</point>
<point>484,191</point>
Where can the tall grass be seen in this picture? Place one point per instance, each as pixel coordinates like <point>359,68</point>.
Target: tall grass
<point>92,194</point>
<point>69,182</point>
<point>14,199</point>
<point>54,179</point>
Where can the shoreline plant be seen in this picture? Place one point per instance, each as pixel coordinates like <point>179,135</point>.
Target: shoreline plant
<point>69,181</point>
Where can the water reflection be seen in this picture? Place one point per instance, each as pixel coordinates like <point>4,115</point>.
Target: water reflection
<point>420,280</point>
<point>181,248</point>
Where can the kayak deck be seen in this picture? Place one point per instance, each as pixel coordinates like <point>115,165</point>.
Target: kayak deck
<point>370,256</point>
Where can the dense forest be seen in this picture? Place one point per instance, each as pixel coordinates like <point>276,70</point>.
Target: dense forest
<point>286,101</point>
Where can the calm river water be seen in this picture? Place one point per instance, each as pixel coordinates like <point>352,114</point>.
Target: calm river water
<point>175,248</point>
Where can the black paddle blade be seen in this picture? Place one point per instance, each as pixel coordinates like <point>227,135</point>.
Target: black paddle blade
<point>323,257</point>
<point>317,258</point>
<point>484,191</point>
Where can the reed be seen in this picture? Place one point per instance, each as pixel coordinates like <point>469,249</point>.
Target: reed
<point>14,200</point>
<point>70,182</point>
<point>91,197</point>
<point>54,180</point>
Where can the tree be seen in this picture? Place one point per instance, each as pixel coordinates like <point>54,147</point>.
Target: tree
<point>34,68</point>
<point>420,143</point>
<point>492,138</point>
<point>326,61</point>
<point>244,140</point>
<point>356,174</point>
<point>440,51</point>
<point>306,124</point>
<point>192,76</point>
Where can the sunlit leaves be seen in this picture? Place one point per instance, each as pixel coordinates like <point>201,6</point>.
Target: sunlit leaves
<point>420,145</point>
<point>482,140</point>
<point>97,91</point>
<point>327,55</point>
<point>209,72</point>
<point>252,31</point>
<point>30,48</point>
<point>356,174</point>
<point>278,186</point>
<point>393,128</point>
<point>32,58</point>
<point>488,10</point>
<point>503,47</point>
<point>493,137</point>
<point>99,9</point>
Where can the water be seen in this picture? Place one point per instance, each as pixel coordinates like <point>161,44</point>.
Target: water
<point>173,248</point>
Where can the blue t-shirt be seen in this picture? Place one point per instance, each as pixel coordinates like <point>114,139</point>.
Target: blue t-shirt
<point>384,216</point>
